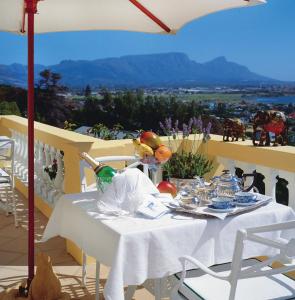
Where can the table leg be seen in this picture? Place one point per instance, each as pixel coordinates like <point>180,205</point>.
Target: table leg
<point>130,292</point>
<point>158,288</point>
<point>97,275</point>
<point>84,262</point>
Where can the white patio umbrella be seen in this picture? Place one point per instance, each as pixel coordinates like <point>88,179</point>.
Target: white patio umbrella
<point>153,16</point>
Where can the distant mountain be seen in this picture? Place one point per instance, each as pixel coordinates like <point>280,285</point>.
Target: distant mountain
<point>167,69</point>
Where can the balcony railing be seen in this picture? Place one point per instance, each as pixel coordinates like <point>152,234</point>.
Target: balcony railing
<point>54,146</point>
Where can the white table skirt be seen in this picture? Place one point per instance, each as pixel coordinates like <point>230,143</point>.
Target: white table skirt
<point>138,249</point>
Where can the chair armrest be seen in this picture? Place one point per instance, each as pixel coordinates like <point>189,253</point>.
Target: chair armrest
<point>200,265</point>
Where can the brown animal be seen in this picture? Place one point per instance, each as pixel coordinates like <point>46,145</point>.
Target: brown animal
<point>268,121</point>
<point>45,285</point>
<point>234,129</point>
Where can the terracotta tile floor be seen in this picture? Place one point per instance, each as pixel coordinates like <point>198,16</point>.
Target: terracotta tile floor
<point>13,257</point>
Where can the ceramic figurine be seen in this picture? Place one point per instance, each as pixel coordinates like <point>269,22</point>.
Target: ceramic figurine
<point>265,122</point>
<point>234,129</point>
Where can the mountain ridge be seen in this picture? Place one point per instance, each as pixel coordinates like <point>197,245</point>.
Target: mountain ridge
<point>145,70</point>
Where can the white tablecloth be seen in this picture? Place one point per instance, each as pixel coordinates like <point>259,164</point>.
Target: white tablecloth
<point>138,249</point>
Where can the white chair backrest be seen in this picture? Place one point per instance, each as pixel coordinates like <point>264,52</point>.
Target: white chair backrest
<point>7,155</point>
<point>285,247</point>
<point>6,148</point>
<point>132,160</point>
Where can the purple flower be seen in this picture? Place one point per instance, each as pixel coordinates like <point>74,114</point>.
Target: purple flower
<point>176,126</point>
<point>190,123</point>
<point>195,122</point>
<point>162,126</point>
<point>185,132</point>
<point>168,124</point>
<point>199,124</point>
<point>208,129</point>
<point>173,133</point>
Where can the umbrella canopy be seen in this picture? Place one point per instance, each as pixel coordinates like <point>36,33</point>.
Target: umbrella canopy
<point>154,16</point>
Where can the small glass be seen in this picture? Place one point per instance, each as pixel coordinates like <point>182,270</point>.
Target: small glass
<point>204,191</point>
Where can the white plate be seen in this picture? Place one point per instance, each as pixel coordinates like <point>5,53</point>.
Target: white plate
<point>221,210</point>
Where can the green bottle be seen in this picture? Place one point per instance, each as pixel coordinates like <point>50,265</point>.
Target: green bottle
<point>104,174</point>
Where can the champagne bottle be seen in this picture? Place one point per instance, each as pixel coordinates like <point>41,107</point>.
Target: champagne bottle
<point>104,174</point>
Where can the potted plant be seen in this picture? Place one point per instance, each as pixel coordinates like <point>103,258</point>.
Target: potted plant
<point>186,163</point>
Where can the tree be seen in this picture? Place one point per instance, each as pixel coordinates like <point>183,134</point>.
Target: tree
<point>87,92</point>
<point>50,104</point>
<point>9,108</point>
<point>14,94</point>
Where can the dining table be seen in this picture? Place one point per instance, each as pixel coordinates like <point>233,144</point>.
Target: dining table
<point>137,248</point>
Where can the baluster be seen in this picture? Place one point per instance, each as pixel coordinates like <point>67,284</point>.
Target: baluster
<point>43,175</point>
<point>20,152</point>
<point>46,178</point>
<point>59,179</point>
<point>290,177</point>
<point>13,136</point>
<point>270,180</point>
<point>25,170</point>
<point>38,166</point>
<point>18,149</point>
<point>51,188</point>
<point>23,163</point>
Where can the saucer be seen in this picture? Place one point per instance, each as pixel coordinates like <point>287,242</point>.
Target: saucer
<point>252,202</point>
<point>221,210</point>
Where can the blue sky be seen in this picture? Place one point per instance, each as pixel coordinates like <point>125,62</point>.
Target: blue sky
<point>262,38</point>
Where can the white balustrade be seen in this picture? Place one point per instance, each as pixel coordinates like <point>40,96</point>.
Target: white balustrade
<point>270,175</point>
<point>50,190</point>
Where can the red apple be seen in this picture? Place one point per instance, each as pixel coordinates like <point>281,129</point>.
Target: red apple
<point>167,187</point>
<point>151,139</point>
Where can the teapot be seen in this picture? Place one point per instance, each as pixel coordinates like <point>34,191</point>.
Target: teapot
<point>226,185</point>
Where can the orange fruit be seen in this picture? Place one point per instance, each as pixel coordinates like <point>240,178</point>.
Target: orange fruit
<point>163,154</point>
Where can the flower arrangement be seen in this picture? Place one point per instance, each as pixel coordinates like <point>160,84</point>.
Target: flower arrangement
<point>187,164</point>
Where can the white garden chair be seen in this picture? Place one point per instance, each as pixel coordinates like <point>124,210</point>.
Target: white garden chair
<point>7,176</point>
<point>130,162</point>
<point>242,279</point>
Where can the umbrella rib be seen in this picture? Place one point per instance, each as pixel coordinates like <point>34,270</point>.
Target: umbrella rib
<point>150,15</point>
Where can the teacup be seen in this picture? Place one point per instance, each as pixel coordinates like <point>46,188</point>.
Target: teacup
<point>245,197</point>
<point>222,202</point>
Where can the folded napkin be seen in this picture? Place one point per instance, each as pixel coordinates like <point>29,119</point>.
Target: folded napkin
<point>152,207</point>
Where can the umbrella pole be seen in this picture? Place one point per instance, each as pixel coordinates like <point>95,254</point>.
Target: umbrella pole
<point>31,9</point>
